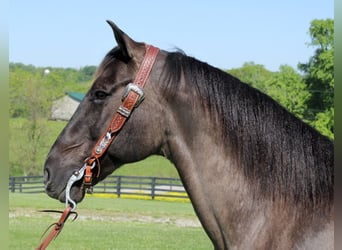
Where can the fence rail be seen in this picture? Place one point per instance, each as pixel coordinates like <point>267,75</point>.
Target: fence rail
<point>115,185</point>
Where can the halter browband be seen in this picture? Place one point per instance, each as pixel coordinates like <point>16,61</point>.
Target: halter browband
<point>131,98</point>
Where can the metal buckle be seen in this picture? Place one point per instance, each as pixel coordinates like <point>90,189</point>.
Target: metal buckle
<point>137,89</point>
<point>123,111</point>
<point>76,175</point>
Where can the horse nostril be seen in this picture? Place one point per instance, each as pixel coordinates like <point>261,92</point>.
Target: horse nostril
<point>46,175</point>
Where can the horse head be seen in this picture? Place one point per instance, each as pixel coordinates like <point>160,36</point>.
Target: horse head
<point>138,138</point>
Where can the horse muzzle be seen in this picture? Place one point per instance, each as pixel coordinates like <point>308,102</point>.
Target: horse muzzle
<point>55,187</point>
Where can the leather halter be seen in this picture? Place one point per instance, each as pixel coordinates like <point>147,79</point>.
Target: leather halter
<point>132,97</point>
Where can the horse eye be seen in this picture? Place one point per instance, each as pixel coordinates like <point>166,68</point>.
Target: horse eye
<point>100,95</point>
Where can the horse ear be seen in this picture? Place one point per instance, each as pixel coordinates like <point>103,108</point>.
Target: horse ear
<point>125,43</point>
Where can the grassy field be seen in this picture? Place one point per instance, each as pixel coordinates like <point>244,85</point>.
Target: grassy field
<point>152,166</point>
<point>105,223</point>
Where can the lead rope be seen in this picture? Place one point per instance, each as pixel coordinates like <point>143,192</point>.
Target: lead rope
<point>70,206</point>
<point>57,227</point>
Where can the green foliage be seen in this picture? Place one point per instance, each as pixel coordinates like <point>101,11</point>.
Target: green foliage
<point>322,33</point>
<point>285,86</point>
<point>319,75</point>
<point>26,94</point>
<point>29,146</point>
<point>254,74</point>
<point>32,91</point>
<point>86,73</point>
<point>288,88</point>
<point>324,122</point>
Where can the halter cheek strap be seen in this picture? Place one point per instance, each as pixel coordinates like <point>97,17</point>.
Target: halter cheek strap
<point>131,98</point>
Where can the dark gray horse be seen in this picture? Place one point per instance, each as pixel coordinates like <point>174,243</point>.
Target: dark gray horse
<point>258,177</point>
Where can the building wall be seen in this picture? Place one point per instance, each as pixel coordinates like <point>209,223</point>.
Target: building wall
<point>63,108</point>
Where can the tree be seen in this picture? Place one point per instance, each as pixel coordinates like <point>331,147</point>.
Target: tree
<point>27,146</point>
<point>28,96</point>
<point>29,100</point>
<point>254,74</point>
<point>285,86</point>
<point>86,73</point>
<point>288,88</point>
<point>325,122</point>
<point>319,75</point>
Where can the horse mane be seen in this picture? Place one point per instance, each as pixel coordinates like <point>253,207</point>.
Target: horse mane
<point>282,155</point>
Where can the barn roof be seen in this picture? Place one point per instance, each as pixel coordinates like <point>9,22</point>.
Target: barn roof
<point>76,96</point>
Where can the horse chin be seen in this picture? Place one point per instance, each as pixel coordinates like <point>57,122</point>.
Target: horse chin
<point>76,194</point>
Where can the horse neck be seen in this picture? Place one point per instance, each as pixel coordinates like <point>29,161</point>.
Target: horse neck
<point>214,179</point>
<point>209,175</point>
<point>212,153</point>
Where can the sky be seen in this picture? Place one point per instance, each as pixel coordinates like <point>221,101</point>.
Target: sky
<point>224,33</point>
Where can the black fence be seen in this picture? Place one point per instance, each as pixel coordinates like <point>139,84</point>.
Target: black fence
<point>120,186</point>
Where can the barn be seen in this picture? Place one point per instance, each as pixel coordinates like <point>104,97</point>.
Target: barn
<point>63,108</point>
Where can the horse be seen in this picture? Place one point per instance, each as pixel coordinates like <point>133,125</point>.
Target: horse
<point>257,176</point>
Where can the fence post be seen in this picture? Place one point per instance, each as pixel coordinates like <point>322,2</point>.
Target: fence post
<point>153,186</point>
<point>118,186</point>
<point>12,182</point>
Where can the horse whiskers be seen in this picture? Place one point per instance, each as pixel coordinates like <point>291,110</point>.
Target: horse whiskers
<point>60,212</point>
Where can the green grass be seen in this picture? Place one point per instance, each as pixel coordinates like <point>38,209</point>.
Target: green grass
<point>105,223</point>
<point>152,166</point>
